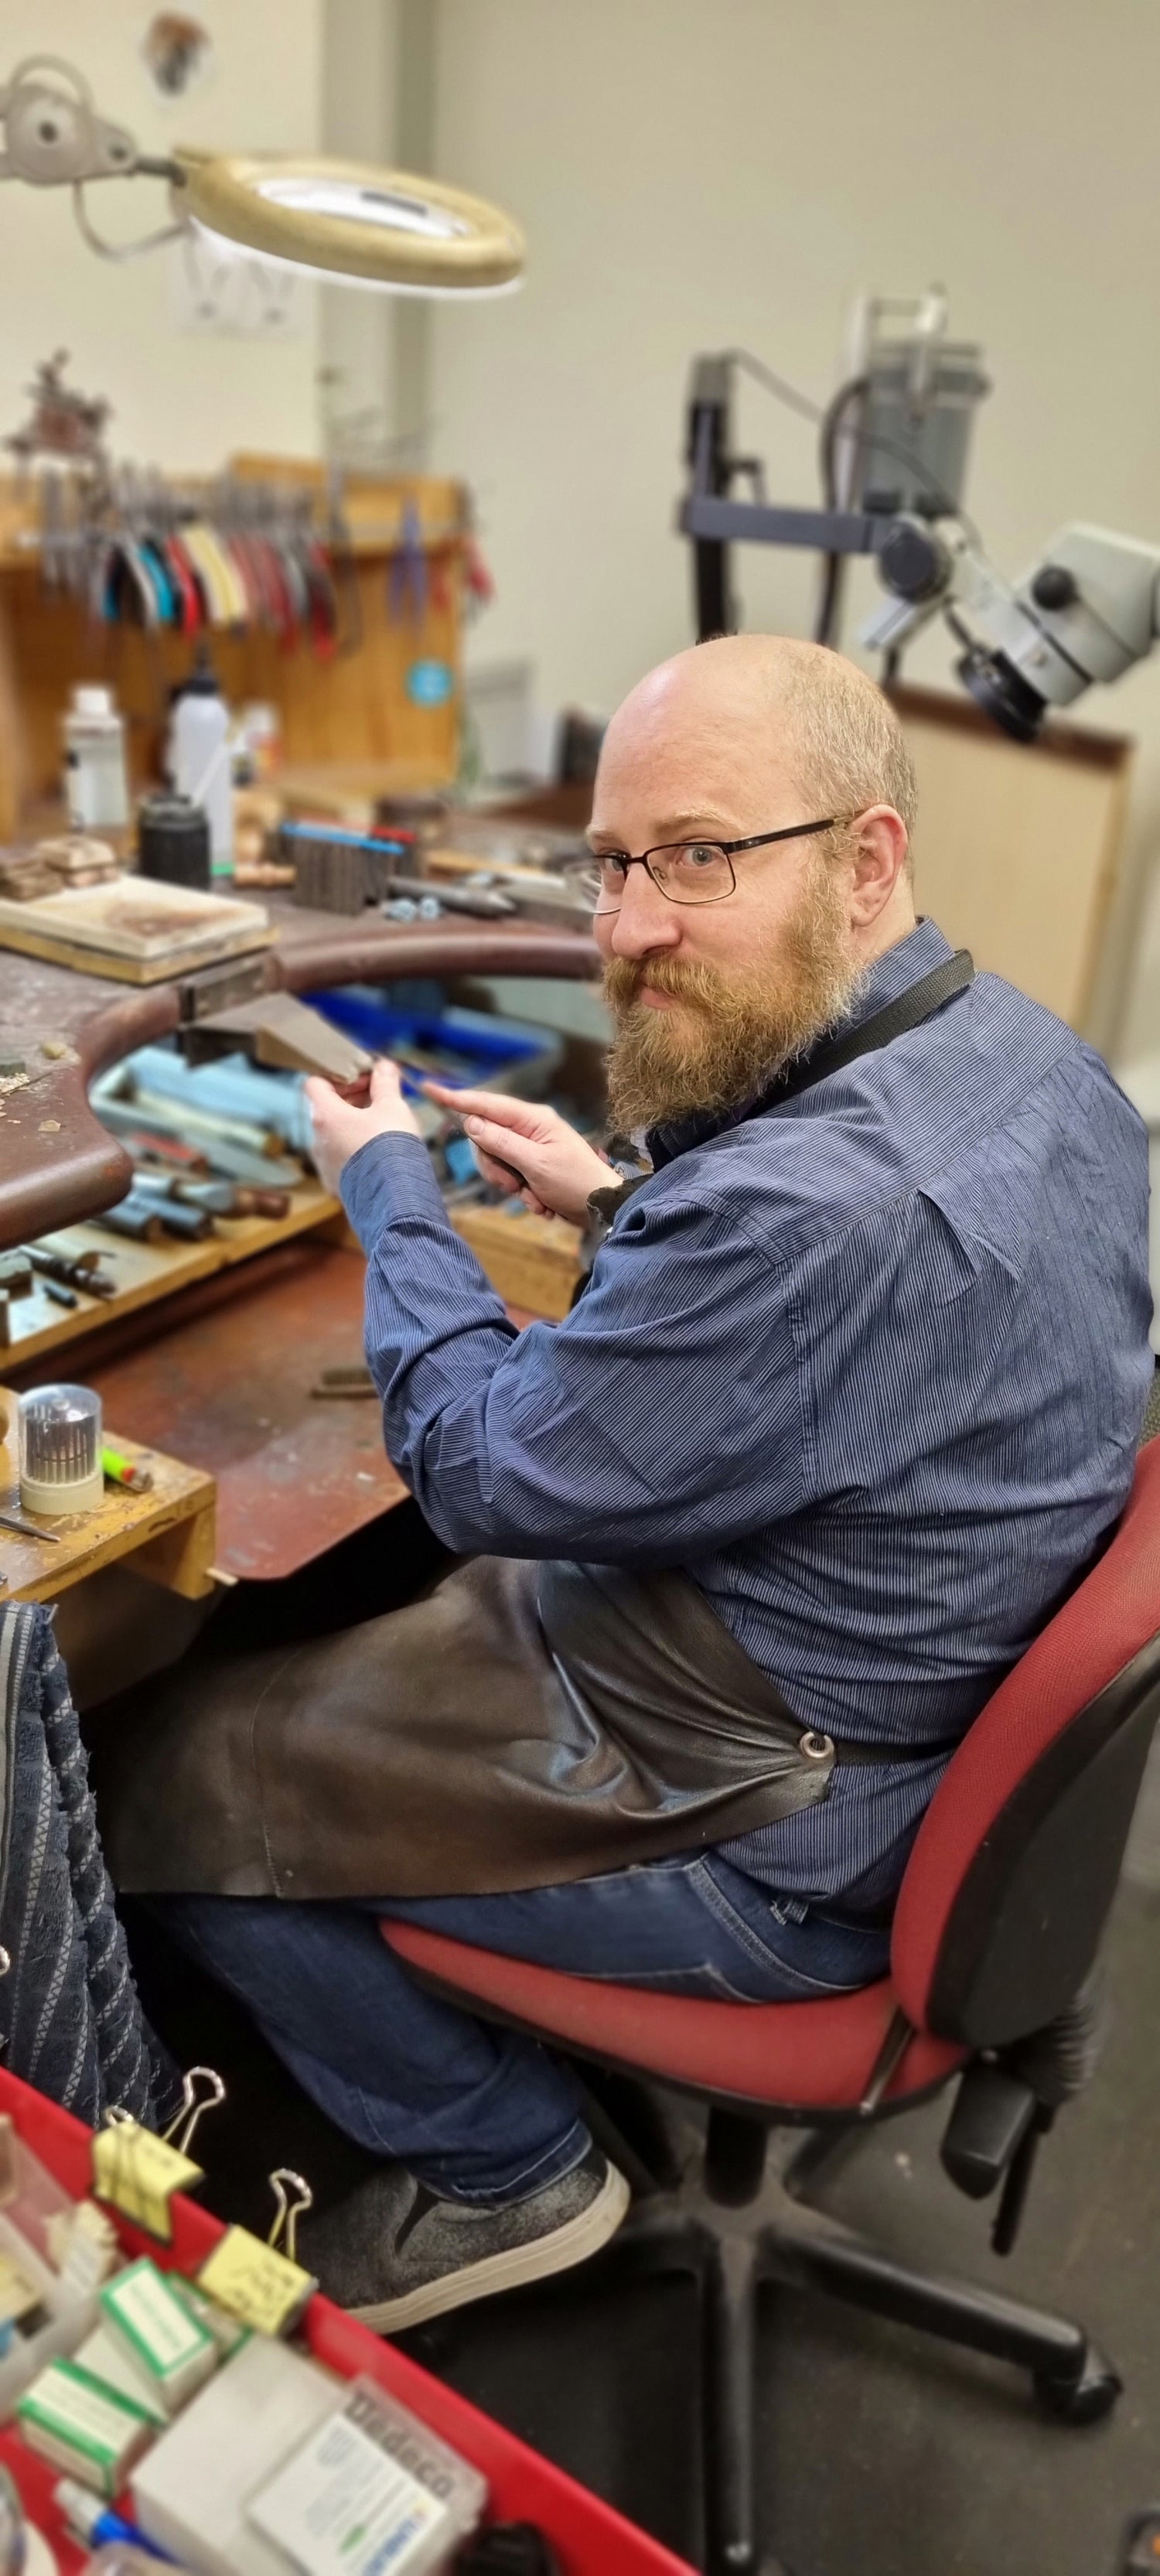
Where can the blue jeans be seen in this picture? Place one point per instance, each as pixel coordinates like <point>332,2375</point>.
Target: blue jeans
<point>480,2113</point>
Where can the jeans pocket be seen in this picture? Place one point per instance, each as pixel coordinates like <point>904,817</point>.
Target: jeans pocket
<point>795,1962</point>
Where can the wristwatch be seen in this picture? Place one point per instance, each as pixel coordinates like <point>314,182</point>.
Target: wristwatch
<point>604,1205</point>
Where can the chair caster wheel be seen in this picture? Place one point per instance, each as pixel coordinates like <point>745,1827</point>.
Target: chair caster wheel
<point>1081,2401</point>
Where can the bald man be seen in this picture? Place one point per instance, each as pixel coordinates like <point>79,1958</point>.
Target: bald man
<point>851,1398</point>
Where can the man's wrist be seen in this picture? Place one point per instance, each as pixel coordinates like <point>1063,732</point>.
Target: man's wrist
<point>386,1178</point>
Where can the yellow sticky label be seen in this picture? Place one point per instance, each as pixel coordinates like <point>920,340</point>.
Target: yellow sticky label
<point>138,2174</point>
<point>254,2282</point>
<point>18,2295</point>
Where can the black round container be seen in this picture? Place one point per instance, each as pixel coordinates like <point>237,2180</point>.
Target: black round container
<point>173,841</point>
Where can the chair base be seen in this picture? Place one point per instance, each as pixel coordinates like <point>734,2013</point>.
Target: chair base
<point>730,2258</point>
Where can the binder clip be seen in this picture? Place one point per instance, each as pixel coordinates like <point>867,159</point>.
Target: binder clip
<point>138,2172</point>
<point>264,2285</point>
<point>193,2105</point>
<point>284,2231</point>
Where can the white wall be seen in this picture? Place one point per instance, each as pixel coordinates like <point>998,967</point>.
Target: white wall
<point>358,112</point>
<point>697,173</point>
<point>179,400</point>
<point>378,105</point>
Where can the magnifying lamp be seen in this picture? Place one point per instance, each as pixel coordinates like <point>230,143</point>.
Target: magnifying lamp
<point>341,220</point>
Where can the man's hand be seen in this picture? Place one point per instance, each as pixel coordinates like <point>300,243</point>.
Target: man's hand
<point>559,1169</point>
<point>341,1126</point>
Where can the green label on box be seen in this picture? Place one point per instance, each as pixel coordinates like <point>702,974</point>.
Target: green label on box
<point>162,2333</point>
<point>81,2411</point>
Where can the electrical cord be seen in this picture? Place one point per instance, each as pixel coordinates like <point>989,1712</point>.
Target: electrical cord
<point>820,414</point>
<point>961,633</point>
<point>974,651</point>
<point>776,385</point>
<point>117,250</point>
<point>832,419</point>
<point>832,564</point>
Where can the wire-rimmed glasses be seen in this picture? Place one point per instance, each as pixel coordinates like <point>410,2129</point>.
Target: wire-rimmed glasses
<point>683,871</point>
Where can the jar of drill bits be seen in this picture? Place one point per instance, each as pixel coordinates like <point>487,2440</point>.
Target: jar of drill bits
<point>60,1450</point>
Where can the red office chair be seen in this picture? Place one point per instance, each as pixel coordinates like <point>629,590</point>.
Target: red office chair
<point>995,1935</point>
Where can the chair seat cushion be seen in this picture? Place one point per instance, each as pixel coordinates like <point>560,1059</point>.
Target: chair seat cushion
<point>812,2057</point>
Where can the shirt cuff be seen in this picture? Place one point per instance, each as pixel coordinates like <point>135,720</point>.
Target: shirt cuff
<point>389,1177</point>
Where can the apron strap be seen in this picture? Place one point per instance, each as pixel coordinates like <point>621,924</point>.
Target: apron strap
<point>919,1002</point>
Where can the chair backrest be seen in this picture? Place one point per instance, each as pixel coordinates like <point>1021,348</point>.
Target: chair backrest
<point>1016,1860</point>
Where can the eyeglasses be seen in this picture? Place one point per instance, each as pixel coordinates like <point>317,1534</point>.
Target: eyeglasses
<point>683,871</point>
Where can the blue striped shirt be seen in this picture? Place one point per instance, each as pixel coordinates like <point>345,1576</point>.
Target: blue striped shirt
<point>871,1365</point>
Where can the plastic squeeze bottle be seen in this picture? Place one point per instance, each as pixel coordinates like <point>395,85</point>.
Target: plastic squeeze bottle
<point>94,761</point>
<point>200,766</point>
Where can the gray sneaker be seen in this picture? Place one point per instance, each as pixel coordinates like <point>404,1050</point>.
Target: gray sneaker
<point>393,2253</point>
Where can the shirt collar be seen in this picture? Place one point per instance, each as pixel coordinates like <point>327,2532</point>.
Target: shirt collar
<point>893,973</point>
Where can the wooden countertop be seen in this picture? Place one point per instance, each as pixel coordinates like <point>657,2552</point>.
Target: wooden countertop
<point>168,1531</point>
<point>57,1164</point>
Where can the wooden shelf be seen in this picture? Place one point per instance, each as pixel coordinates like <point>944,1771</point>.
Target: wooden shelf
<point>168,1532</point>
<point>147,1271</point>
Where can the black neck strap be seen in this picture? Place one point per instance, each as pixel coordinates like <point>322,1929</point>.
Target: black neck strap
<point>919,1002</point>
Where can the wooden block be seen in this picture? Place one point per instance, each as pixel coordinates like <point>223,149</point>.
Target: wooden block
<point>532,1261</point>
<point>168,1533</point>
<point>22,927</point>
<point>23,877</point>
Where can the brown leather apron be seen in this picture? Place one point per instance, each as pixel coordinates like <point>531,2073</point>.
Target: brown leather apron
<point>471,1742</point>
<point>522,1725</point>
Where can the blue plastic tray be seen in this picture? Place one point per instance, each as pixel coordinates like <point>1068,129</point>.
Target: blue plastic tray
<point>481,1042</point>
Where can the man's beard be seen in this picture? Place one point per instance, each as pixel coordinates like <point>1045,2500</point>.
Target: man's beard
<point>733,1033</point>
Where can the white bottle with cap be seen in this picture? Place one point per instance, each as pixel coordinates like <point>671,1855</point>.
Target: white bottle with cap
<point>199,757</point>
<point>96,788</point>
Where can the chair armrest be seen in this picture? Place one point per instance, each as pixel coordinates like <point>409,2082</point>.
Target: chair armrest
<point>992,2114</point>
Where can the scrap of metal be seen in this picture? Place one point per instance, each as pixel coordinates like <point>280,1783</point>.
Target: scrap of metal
<point>83,1271</point>
<point>148,1218</point>
<point>28,1529</point>
<point>353,1381</point>
<point>215,1198</point>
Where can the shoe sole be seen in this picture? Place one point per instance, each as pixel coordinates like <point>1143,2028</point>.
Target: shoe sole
<point>573,2243</point>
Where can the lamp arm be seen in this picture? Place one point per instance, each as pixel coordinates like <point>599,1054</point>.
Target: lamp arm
<point>121,251</point>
